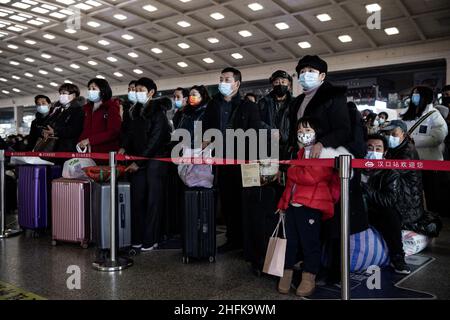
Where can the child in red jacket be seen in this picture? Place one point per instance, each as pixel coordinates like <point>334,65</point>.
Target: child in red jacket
<point>309,197</point>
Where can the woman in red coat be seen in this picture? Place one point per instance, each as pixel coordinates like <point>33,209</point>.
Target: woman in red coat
<point>309,198</point>
<point>102,119</point>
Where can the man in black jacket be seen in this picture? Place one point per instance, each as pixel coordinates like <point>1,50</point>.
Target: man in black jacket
<point>43,105</point>
<point>228,111</point>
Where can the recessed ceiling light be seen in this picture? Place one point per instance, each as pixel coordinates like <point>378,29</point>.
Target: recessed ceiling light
<point>237,56</point>
<point>43,20</point>
<point>27,74</point>
<point>57,15</point>
<point>5,91</point>
<point>127,37</point>
<point>138,71</point>
<point>120,17</point>
<point>93,24</point>
<point>184,45</point>
<point>93,3</point>
<point>21,5</point>
<point>112,59</point>
<point>104,42</point>
<point>48,36</point>
<point>323,17</point>
<point>33,3</point>
<point>391,31</point>
<point>67,12</point>
<point>92,63</point>
<point>282,26</point>
<point>345,38</point>
<point>66,1</point>
<point>49,7</point>
<point>183,24</point>
<point>25,15</point>
<point>182,64</point>
<point>83,48</point>
<point>118,74</point>
<point>13,46</point>
<point>245,33</point>
<point>67,81</point>
<point>40,10</point>
<point>213,40</point>
<point>157,50</point>
<point>150,8</point>
<point>217,16</point>
<point>43,72</point>
<point>15,77</point>
<point>17,18</point>
<point>208,60</point>
<point>40,86</point>
<point>16,90</point>
<point>15,29</point>
<point>71,31</point>
<point>83,6</point>
<point>99,76</point>
<point>14,63</point>
<point>32,42</point>
<point>46,56</point>
<point>35,22</point>
<point>28,59</point>
<point>133,54</point>
<point>3,80</point>
<point>53,84</point>
<point>373,7</point>
<point>255,6</point>
<point>74,66</point>
<point>184,1</point>
<point>304,45</point>
<point>58,69</point>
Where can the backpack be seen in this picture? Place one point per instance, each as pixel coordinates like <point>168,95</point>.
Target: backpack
<point>357,145</point>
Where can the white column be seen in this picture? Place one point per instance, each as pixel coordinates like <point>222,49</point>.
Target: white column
<point>18,116</point>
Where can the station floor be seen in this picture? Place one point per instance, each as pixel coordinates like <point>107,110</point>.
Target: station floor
<point>35,266</point>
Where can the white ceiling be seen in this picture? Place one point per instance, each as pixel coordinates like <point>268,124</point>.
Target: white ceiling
<point>418,21</point>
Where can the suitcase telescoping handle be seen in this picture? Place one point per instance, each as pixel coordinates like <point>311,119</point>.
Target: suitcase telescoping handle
<point>122,211</point>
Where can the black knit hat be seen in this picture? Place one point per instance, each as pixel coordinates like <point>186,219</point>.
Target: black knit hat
<point>313,62</point>
<point>280,74</point>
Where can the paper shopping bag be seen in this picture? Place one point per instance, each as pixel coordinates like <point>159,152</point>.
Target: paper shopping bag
<point>276,251</point>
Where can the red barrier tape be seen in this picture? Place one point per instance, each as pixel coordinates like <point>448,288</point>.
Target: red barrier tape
<point>330,163</point>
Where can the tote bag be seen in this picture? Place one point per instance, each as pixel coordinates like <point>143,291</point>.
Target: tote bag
<point>276,251</point>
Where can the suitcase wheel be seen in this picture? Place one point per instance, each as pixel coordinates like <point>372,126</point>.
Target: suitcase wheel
<point>84,245</point>
<point>212,259</point>
<point>54,243</point>
<point>185,260</point>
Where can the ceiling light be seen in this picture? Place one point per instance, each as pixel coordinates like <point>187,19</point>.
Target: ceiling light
<point>138,71</point>
<point>57,15</point>
<point>32,42</point>
<point>391,31</point>
<point>92,63</point>
<point>345,38</point>
<point>83,6</point>
<point>14,63</point>
<point>43,20</point>
<point>43,72</point>
<point>49,7</point>
<point>21,5</point>
<point>213,40</point>
<point>33,3</point>
<point>184,1</point>
<point>93,24</point>
<point>67,81</point>
<point>373,7</point>
<point>237,56</point>
<point>183,24</point>
<point>66,1</point>
<point>15,29</point>
<point>245,33</point>
<point>133,54</point>
<point>282,26</point>
<point>27,74</point>
<point>217,16</point>
<point>118,74</point>
<point>40,10</point>
<point>46,56</point>
<point>120,17</point>
<point>16,90</point>
<point>35,22</point>
<point>93,3</point>
<point>48,36</point>
<point>208,60</point>
<point>104,42</point>
<point>29,59</point>
<point>15,77</point>
<point>40,86</point>
<point>255,6</point>
<point>99,76</point>
<point>157,50</point>
<point>67,12</point>
<point>112,59</point>
<point>127,37</point>
<point>17,18</point>
<point>58,69</point>
<point>182,64</point>
<point>304,45</point>
<point>184,45</point>
<point>3,80</point>
<point>83,48</point>
<point>323,17</point>
<point>5,92</point>
<point>13,46</point>
<point>71,31</point>
<point>74,66</point>
<point>25,15</point>
<point>150,8</point>
<point>53,84</point>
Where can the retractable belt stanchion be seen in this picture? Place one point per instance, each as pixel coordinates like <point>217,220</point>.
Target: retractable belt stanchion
<point>4,233</point>
<point>344,174</point>
<point>114,263</point>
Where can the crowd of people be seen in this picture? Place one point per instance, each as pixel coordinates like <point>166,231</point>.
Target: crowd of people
<point>319,123</point>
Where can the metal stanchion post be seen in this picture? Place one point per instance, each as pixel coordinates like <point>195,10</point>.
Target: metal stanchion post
<point>114,263</point>
<point>4,233</point>
<point>344,174</point>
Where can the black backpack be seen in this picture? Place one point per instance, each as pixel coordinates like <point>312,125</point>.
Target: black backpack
<point>357,145</point>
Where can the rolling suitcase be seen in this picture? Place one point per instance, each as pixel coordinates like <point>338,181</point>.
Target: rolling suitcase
<point>101,215</point>
<point>71,210</point>
<point>34,195</point>
<point>199,227</point>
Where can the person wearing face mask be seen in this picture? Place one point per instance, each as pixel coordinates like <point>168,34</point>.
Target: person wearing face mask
<point>65,120</point>
<point>383,119</point>
<point>102,121</point>
<point>274,109</point>
<point>126,118</point>
<point>43,106</point>
<point>308,199</point>
<point>394,197</point>
<point>372,123</point>
<point>180,100</point>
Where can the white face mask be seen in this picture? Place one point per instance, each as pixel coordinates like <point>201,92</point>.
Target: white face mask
<point>381,121</point>
<point>141,97</point>
<point>64,99</point>
<point>226,89</point>
<point>309,80</point>
<point>43,109</point>
<point>394,142</point>
<point>376,123</point>
<point>373,155</point>
<point>94,95</point>
<point>306,139</point>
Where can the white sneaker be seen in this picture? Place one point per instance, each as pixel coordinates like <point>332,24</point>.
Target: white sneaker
<point>136,246</point>
<point>153,247</point>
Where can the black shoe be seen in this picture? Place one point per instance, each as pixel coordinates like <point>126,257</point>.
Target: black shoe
<point>227,247</point>
<point>399,265</point>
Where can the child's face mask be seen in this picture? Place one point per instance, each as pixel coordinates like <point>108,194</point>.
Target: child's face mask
<point>306,139</point>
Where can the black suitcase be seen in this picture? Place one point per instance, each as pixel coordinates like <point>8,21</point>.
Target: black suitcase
<point>199,226</point>
<point>259,220</point>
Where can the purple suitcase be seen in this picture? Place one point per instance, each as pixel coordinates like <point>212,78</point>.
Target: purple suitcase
<point>34,195</point>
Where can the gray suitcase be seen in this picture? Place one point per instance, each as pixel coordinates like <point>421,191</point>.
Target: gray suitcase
<point>101,215</point>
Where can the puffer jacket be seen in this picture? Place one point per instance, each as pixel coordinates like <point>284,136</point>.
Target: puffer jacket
<point>190,115</point>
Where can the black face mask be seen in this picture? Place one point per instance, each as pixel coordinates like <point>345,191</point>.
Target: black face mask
<point>280,90</point>
<point>446,101</point>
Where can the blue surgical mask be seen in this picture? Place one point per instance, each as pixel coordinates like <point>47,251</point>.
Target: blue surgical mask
<point>94,95</point>
<point>394,142</point>
<point>309,80</point>
<point>225,89</point>
<point>43,109</point>
<point>132,96</point>
<point>415,99</point>
<point>373,155</point>
<point>178,104</point>
<point>142,97</point>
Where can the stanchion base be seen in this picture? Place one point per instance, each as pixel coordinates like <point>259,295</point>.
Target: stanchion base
<point>8,233</point>
<point>111,266</point>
